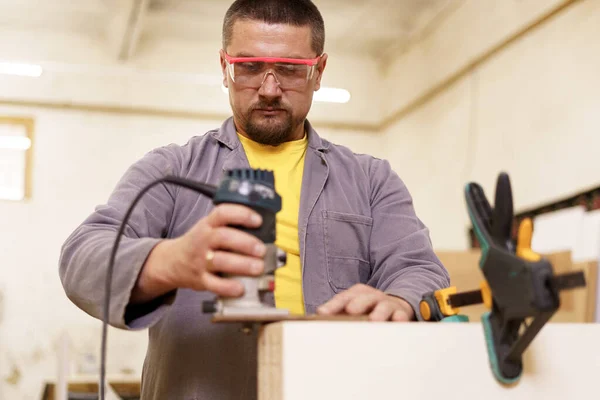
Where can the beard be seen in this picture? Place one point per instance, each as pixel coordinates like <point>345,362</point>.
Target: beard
<point>269,129</point>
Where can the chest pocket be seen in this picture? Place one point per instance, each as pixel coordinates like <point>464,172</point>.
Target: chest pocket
<point>346,238</point>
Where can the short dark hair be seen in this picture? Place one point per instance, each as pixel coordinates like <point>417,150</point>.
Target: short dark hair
<point>293,12</point>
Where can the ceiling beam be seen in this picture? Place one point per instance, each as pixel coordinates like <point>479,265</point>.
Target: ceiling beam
<point>125,27</point>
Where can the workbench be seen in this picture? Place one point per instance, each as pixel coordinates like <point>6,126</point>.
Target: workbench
<point>85,386</point>
<point>324,360</point>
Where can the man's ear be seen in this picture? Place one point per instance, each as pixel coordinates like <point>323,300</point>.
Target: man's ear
<point>223,68</point>
<point>320,68</point>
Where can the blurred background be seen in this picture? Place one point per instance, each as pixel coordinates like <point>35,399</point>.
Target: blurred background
<point>449,91</point>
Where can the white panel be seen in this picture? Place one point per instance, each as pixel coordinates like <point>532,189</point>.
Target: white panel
<point>363,360</point>
<point>558,231</point>
<point>590,237</point>
<point>572,229</point>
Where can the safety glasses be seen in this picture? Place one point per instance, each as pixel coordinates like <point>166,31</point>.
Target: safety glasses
<point>251,72</point>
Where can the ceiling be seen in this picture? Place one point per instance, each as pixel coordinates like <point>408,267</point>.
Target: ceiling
<point>380,29</point>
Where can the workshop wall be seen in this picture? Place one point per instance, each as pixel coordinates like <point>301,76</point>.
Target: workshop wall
<point>530,110</point>
<point>78,157</point>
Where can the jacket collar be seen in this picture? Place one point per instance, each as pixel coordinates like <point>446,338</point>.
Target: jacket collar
<point>227,135</point>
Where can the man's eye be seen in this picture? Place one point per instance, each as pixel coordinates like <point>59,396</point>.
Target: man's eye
<point>290,69</point>
<point>250,66</point>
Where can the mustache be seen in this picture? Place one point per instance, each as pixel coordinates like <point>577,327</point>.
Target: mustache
<point>262,105</point>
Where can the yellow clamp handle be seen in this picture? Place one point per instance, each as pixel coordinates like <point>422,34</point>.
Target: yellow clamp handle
<point>441,299</point>
<point>525,234</point>
<point>486,294</point>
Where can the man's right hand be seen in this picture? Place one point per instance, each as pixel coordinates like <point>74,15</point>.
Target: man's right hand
<point>195,259</point>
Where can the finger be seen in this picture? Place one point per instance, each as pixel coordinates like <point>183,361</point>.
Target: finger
<point>362,288</point>
<point>225,238</point>
<point>233,214</point>
<point>235,264</point>
<point>222,286</point>
<point>400,316</point>
<point>361,304</point>
<point>382,312</point>
<point>337,303</point>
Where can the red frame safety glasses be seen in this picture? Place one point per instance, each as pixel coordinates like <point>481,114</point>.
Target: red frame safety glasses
<point>289,73</point>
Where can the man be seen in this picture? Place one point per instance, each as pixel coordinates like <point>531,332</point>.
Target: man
<point>353,240</point>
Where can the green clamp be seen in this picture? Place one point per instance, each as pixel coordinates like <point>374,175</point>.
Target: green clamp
<point>521,289</point>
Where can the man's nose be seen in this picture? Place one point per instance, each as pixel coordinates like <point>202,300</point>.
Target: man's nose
<point>270,87</point>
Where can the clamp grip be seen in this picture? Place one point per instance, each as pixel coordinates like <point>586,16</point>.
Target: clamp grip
<point>435,306</point>
<point>522,283</point>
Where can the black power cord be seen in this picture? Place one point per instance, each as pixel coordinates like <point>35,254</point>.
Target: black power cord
<point>205,189</point>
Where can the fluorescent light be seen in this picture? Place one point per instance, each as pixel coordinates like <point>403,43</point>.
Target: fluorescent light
<point>332,95</point>
<point>15,142</point>
<point>324,95</point>
<point>19,69</point>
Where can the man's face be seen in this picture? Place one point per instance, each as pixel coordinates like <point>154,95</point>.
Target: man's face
<point>271,114</point>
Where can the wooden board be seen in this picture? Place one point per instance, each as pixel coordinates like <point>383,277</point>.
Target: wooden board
<point>588,297</point>
<point>367,360</point>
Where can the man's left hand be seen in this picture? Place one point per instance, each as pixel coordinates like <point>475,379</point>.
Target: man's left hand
<point>362,299</point>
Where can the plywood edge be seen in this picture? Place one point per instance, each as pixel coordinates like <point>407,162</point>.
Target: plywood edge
<point>270,318</point>
<point>270,362</point>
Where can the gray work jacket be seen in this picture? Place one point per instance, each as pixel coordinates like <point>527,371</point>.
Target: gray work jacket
<point>356,225</point>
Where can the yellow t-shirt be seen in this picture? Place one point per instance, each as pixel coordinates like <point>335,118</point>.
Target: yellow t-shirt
<point>287,163</point>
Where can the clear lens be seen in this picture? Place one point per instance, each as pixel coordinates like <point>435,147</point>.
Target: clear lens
<point>288,75</point>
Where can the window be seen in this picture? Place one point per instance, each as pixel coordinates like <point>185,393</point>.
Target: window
<point>16,143</point>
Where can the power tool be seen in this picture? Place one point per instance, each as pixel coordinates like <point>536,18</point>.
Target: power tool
<point>520,289</point>
<point>254,189</point>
